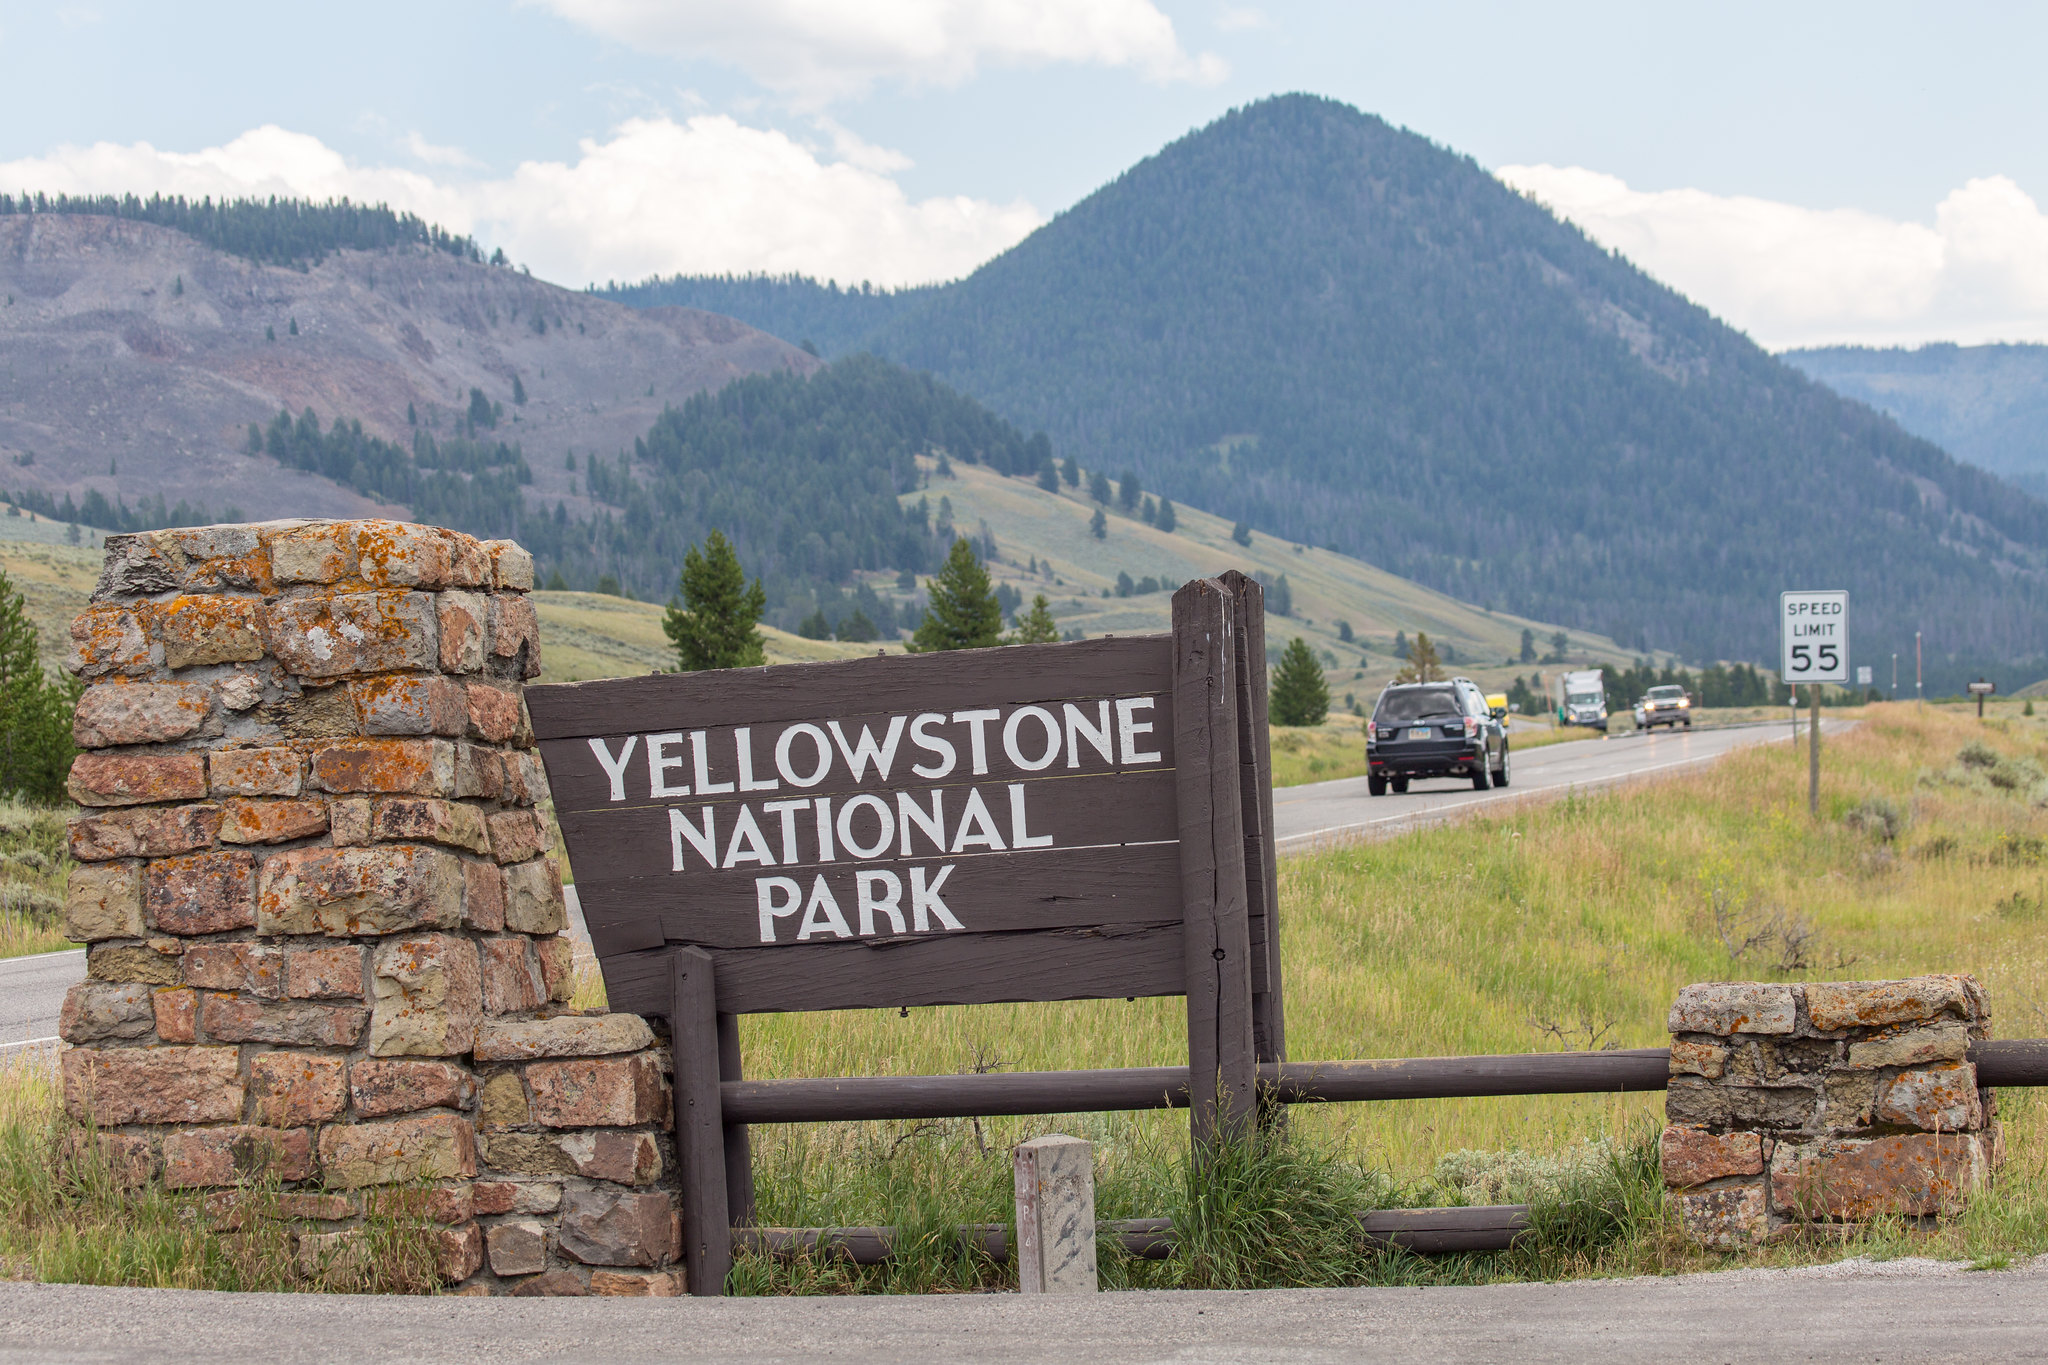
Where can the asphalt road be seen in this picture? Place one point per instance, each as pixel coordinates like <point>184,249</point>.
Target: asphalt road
<point>1894,1311</point>
<point>31,993</point>
<point>1330,812</point>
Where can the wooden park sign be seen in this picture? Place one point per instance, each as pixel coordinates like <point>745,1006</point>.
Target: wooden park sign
<point>1089,820</point>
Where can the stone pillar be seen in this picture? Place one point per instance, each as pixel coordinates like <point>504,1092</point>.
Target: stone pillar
<point>1055,1177</point>
<point>1837,1102</point>
<point>325,937</point>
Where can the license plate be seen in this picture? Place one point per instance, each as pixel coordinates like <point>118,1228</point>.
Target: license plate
<point>1422,732</point>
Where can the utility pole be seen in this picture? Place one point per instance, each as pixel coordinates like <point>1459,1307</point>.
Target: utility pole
<point>1895,675</point>
<point>1813,750</point>
<point>1919,694</point>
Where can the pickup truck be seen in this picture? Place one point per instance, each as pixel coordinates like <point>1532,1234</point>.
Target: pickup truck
<point>1665,705</point>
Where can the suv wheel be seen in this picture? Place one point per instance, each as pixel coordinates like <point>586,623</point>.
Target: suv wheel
<point>1375,785</point>
<point>1480,781</point>
<point>1500,774</point>
<point>1400,785</point>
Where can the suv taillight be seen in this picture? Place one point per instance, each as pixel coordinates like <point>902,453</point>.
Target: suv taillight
<point>1471,727</point>
<point>1372,729</point>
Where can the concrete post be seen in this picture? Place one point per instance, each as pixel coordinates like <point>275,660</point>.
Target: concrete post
<point>1055,1215</point>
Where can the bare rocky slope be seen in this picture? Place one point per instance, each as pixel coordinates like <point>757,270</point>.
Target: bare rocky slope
<point>133,358</point>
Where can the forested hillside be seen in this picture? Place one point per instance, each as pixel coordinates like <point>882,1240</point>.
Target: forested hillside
<point>1341,332</point>
<point>270,231</point>
<point>1984,404</point>
<point>793,307</point>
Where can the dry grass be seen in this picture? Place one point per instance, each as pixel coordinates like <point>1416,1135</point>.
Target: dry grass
<point>33,866</point>
<point>69,1218</point>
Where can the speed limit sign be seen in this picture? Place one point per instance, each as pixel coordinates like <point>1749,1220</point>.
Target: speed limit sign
<point>1813,632</point>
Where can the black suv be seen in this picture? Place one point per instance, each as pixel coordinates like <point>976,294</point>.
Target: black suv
<point>1440,729</point>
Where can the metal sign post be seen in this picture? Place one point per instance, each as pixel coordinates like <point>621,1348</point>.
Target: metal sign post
<point>1980,690</point>
<point>1813,636</point>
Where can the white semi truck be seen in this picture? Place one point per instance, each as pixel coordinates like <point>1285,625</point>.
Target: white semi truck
<point>1579,698</point>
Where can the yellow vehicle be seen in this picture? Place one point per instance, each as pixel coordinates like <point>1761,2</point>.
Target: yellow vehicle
<point>1497,702</point>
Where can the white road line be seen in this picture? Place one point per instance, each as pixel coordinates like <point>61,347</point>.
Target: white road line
<point>30,1042</point>
<point>37,959</point>
<point>1484,800</point>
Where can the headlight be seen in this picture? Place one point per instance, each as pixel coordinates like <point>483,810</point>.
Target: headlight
<point>1684,702</point>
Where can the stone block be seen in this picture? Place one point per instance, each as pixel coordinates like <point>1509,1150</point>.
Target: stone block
<point>394,1151</point>
<point>517,835</point>
<point>1835,1005</point>
<point>429,820</point>
<point>111,713</point>
<point>555,1284</point>
<point>130,1158</point>
<point>504,1102</point>
<point>131,962</point>
<point>143,832</point>
<point>249,967</point>
<point>483,897</point>
<point>623,1158</point>
<point>233,1019</point>
<point>1698,1059</point>
<point>525,1154</point>
<point>313,710</point>
<point>332,1258</point>
<point>533,898</point>
<point>613,1092</point>
<point>323,553</point>
<point>574,1035</point>
<point>348,822</point>
<point>606,1227</point>
<point>175,1012</point>
<point>513,982</point>
<point>324,973</point>
<point>427,997</point>
<point>557,967</point>
<point>134,565</point>
<point>212,557</point>
<point>469,563</point>
<point>441,1204</point>
<point>1055,1201</point>
<point>201,1157</point>
<point>400,767</point>
<point>518,1248</point>
<point>201,893</point>
<point>409,706</point>
<point>103,902</point>
<point>516,1196</point>
<point>479,772</point>
<point>1727,1007</point>
<point>458,1252</point>
<point>293,1089</point>
<point>1936,1099</point>
<point>1729,1217</point>
<point>515,634</point>
<point>353,632</point>
<point>100,1011</point>
<point>117,1086</point>
<point>493,713</point>
<point>1859,1179</point>
<point>271,822</point>
<point>1850,1098</point>
<point>129,779</point>
<point>108,640</point>
<point>347,891</point>
<point>239,691</point>
<point>1693,1156</point>
<point>380,1087</point>
<point>511,565</point>
<point>464,619</point>
<point>401,554</point>
<point>195,630</point>
<point>256,772</point>
<point>1948,1041</point>
<point>648,1284</point>
<point>1702,1104</point>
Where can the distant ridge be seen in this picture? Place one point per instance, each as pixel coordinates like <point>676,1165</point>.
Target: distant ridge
<point>293,232</point>
<point>1336,329</point>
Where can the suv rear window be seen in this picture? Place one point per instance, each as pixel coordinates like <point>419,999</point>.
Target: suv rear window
<point>1399,706</point>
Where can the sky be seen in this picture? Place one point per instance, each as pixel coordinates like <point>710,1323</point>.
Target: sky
<point>1814,174</point>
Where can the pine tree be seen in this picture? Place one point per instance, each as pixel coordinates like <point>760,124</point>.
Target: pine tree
<point>35,712</point>
<point>1098,487</point>
<point>518,392</point>
<point>1299,695</point>
<point>856,626</point>
<point>1098,525</point>
<point>1423,664</point>
<point>1070,472</point>
<point>815,626</point>
<point>1165,520</point>
<point>412,417</point>
<point>1049,477</point>
<point>1528,646</point>
<point>1241,533</point>
<point>1280,598</point>
<point>714,624</point>
<point>964,613</point>
<point>295,326</point>
<point>1400,644</point>
<point>1037,627</point>
<point>1128,491</point>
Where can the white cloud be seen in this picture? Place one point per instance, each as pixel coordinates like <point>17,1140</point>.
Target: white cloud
<point>433,154</point>
<point>818,50</point>
<point>657,197</point>
<point>1794,276</point>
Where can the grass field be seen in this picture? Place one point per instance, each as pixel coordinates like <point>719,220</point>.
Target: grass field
<point>1563,925</point>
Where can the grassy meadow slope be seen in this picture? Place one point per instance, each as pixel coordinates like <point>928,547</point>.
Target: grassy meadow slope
<point>1327,586</point>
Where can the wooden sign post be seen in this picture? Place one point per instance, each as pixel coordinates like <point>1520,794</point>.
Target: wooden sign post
<point>1089,820</point>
